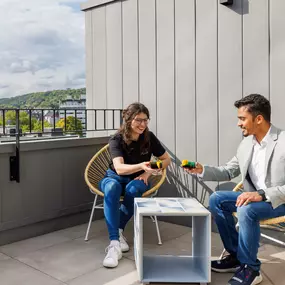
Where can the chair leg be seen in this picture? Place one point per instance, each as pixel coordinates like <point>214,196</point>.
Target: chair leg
<point>152,218</point>
<point>273,239</point>
<point>157,230</point>
<point>91,218</point>
<point>223,253</point>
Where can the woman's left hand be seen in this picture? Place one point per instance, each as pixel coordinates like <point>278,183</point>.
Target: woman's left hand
<point>143,177</point>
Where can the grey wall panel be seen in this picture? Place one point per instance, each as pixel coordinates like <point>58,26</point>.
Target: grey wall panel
<point>89,69</point>
<point>185,89</point>
<point>165,73</point>
<point>277,62</point>
<point>166,84</point>
<point>114,58</point>
<point>10,191</point>
<point>147,57</point>
<point>130,52</point>
<point>114,55</point>
<point>206,83</point>
<point>255,47</point>
<point>73,179</point>
<point>35,200</point>
<point>99,67</point>
<point>229,77</point>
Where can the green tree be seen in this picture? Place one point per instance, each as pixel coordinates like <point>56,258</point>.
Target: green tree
<point>37,126</point>
<point>72,125</point>
<point>10,117</point>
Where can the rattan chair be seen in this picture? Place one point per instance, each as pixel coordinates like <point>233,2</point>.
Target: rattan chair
<point>273,223</point>
<point>96,170</point>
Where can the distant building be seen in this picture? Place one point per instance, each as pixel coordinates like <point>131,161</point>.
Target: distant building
<point>70,105</point>
<point>51,116</point>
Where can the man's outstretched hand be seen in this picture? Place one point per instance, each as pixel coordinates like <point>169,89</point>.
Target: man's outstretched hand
<point>197,170</point>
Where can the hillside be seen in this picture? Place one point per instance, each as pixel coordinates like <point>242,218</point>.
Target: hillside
<point>49,99</point>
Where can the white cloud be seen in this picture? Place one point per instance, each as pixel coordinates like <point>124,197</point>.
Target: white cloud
<point>41,46</point>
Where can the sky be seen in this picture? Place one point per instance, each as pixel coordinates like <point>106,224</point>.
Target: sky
<point>42,46</point>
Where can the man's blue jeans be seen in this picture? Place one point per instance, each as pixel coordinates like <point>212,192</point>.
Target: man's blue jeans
<point>114,186</point>
<point>244,243</point>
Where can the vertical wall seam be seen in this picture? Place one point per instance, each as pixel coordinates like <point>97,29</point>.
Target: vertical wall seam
<point>156,66</point>
<point>92,54</point>
<point>269,52</point>
<point>122,53</point>
<point>106,57</point>
<point>92,67</point>
<point>218,88</point>
<point>195,79</point>
<point>138,43</point>
<point>242,51</point>
<point>174,84</point>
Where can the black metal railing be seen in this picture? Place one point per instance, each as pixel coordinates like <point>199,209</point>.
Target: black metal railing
<point>47,119</point>
<point>26,124</point>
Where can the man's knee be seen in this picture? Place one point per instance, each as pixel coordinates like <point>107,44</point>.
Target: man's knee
<point>246,212</point>
<point>214,201</point>
<point>136,188</point>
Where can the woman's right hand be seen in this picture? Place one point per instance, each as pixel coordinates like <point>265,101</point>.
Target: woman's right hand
<point>146,167</point>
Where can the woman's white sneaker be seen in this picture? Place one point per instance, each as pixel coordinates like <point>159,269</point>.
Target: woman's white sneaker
<point>123,242</point>
<point>114,254</point>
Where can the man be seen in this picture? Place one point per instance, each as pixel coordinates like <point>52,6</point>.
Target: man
<point>260,160</point>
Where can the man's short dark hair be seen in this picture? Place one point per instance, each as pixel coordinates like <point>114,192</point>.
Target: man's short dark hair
<point>256,104</point>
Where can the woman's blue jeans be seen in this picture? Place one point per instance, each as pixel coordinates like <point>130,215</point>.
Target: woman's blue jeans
<point>114,186</point>
<point>244,243</point>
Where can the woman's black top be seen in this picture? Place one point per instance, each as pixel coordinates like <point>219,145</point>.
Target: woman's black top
<point>134,153</point>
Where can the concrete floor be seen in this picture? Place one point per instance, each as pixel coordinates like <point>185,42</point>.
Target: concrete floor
<point>63,257</point>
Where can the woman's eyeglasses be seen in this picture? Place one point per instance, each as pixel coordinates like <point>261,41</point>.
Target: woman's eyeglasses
<point>139,121</point>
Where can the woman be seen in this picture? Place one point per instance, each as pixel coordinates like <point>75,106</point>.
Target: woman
<point>131,149</point>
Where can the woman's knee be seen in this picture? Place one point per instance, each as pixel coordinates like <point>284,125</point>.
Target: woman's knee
<point>112,189</point>
<point>136,188</point>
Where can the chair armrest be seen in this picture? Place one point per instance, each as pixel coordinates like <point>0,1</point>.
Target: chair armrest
<point>238,187</point>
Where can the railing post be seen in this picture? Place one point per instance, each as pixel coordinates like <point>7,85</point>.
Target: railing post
<point>15,160</point>
<point>121,117</point>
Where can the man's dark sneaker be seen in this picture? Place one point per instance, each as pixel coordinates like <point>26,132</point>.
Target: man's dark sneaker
<point>246,276</point>
<point>228,263</point>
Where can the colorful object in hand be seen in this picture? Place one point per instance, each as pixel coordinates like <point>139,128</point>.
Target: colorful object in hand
<point>188,164</point>
<point>156,164</point>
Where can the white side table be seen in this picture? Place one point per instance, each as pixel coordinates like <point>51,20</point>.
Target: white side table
<point>169,268</point>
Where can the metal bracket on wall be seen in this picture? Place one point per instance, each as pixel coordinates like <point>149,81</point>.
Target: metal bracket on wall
<point>15,159</point>
<point>227,2</point>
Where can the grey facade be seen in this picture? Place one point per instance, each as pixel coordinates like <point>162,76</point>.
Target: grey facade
<point>188,61</point>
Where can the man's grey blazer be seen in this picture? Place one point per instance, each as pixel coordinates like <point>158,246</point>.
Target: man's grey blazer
<point>274,166</point>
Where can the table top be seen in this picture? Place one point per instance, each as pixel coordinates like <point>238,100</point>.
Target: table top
<point>170,207</point>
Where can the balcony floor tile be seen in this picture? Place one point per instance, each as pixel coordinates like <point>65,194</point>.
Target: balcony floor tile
<point>13,272</point>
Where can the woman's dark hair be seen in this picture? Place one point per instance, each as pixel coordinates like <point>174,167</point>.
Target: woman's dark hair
<point>256,104</point>
<point>128,115</point>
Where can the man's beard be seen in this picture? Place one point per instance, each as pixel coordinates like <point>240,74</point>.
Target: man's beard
<point>244,134</point>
